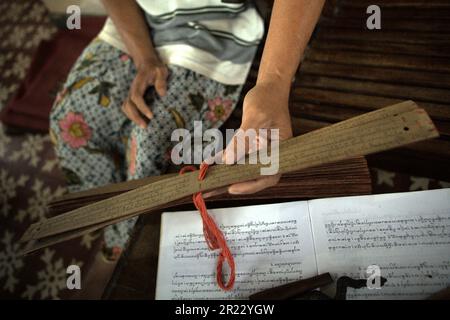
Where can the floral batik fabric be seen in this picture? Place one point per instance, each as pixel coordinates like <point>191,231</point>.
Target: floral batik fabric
<point>97,144</point>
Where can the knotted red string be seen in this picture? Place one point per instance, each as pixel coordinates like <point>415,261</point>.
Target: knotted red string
<point>213,235</point>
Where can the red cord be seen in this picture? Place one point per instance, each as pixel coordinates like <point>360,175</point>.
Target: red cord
<point>213,235</point>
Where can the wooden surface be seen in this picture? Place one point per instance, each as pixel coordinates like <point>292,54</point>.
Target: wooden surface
<point>135,274</point>
<point>349,70</point>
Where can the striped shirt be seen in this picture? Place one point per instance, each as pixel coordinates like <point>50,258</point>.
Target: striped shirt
<point>216,39</point>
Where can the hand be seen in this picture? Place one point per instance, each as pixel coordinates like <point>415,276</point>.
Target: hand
<point>149,73</point>
<point>265,106</point>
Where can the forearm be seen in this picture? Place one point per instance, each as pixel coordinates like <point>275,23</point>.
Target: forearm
<point>130,22</point>
<point>291,25</point>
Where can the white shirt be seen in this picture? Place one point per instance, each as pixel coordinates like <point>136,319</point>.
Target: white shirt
<point>212,38</point>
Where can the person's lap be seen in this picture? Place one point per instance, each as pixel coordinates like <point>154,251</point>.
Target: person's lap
<point>97,144</point>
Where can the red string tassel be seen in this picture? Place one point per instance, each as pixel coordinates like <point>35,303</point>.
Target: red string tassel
<point>213,235</point>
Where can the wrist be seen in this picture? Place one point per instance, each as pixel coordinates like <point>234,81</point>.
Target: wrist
<point>278,90</point>
<point>276,83</point>
<point>147,61</point>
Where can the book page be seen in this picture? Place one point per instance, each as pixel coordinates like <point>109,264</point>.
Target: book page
<point>271,244</point>
<point>407,235</point>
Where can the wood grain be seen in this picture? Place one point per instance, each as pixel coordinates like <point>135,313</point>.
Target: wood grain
<point>349,69</point>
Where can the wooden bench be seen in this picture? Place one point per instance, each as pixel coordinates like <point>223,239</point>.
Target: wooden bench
<point>348,70</point>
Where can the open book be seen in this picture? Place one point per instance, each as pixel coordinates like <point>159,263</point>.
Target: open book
<point>407,235</point>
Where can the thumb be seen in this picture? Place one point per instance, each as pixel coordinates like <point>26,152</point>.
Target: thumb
<point>238,147</point>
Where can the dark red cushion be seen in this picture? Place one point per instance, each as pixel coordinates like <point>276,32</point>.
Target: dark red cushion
<point>29,109</point>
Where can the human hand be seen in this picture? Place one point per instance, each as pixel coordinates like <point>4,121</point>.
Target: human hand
<point>151,73</point>
<point>265,107</point>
